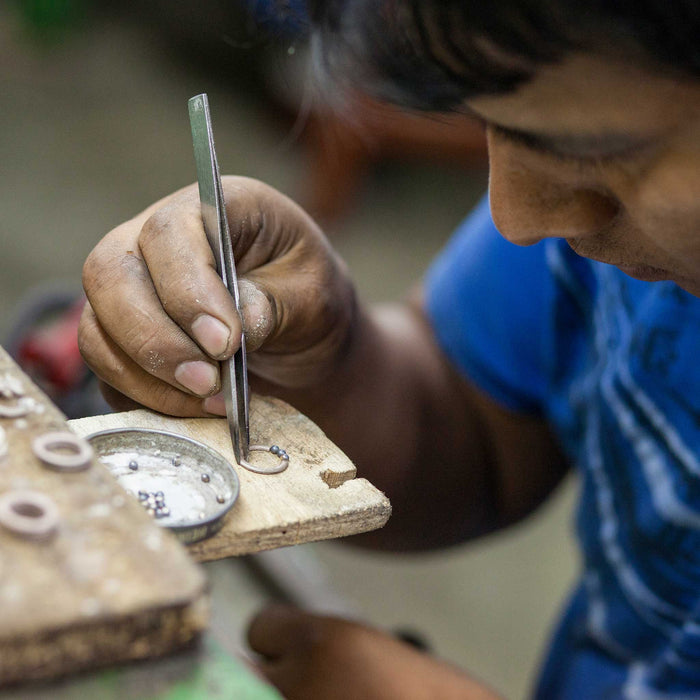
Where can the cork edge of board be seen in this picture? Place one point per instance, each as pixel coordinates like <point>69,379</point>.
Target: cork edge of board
<point>53,654</point>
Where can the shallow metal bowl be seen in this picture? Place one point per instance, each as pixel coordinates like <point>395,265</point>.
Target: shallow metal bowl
<point>197,486</point>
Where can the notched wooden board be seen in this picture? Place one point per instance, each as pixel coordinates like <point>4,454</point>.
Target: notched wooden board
<point>316,498</point>
<point>109,586</point>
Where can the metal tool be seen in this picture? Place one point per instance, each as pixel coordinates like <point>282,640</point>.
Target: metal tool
<point>235,370</point>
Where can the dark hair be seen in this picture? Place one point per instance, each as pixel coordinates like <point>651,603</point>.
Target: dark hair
<point>434,54</point>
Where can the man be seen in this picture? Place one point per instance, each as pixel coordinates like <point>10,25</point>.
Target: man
<point>468,402</point>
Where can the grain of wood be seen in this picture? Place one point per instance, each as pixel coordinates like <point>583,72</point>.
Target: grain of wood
<point>316,498</point>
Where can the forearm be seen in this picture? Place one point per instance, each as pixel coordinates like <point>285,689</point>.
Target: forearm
<point>313,657</point>
<point>396,408</point>
<point>454,464</point>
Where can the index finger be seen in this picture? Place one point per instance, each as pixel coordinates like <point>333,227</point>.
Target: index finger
<point>155,331</point>
<point>182,267</point>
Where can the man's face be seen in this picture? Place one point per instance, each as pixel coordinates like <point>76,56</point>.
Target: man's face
<point>605,155</point>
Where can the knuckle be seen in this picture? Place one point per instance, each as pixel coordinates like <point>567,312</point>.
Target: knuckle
<point>154,227</point>
<point>244,185</point>
<point>97,271</point>
<point>180,215</point>
<point>330,305</point>
<point>104,269</point>
<point>250,196</point>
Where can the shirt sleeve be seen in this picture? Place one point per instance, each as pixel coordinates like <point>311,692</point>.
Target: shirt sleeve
<point>489,304</point>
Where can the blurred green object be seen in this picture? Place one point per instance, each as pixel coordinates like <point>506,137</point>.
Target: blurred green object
<point>51,18</point>
<point>216,676</point>
<point>206,671</point>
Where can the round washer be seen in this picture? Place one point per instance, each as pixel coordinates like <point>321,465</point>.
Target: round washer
<point>45,448</point>
<point>29,514</point>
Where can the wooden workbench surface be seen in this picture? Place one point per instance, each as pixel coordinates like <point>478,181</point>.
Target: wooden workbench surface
<point>316,498</point>
<point>107,585</point>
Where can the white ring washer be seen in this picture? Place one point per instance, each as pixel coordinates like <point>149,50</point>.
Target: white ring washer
<point>18,409</point>
<point>284,463</point>
<point>44,447</point>
<point>38,521</point>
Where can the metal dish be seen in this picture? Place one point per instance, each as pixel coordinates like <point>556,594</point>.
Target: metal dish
<point>185,485</point>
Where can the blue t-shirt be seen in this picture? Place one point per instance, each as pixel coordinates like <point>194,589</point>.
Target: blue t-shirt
<point>613,365</point>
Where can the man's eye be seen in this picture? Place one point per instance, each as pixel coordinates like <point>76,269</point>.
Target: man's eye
<point>539,145</point>
<point>532,143</point>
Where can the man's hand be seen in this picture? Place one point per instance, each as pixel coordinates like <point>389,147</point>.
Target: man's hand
<point>309,657</point>
<point>159,317</point>
<point>454,464</point>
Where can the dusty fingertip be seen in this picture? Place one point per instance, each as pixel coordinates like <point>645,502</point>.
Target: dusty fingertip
<point>257,313</point>
<point>215,405</point>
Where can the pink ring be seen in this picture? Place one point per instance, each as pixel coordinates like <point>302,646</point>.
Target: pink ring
<point>44,447</point>
<point>29,514</point>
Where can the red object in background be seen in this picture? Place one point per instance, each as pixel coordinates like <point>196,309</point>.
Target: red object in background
<point>49,352</point>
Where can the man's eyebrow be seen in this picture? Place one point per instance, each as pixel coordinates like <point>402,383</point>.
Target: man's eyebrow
<point>593,145</point>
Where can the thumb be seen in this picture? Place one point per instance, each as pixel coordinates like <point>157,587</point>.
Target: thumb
<point>258,312</point>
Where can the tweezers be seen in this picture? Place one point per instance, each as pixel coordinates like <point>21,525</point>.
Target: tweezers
<point>234,371</point>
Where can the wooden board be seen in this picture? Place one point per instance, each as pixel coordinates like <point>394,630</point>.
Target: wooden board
<point>108,586</point>
<point>316,498</point>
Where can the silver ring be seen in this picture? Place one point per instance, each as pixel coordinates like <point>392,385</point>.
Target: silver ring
<point>79,457</point>
<point>283,457</point>
<point>29,514</point>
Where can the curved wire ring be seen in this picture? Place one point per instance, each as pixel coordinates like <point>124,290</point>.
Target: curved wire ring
<point>275,450</point>
<point>45,448</point>
<point>29,514</point>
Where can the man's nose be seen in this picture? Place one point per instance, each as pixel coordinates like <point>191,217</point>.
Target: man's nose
<point>529,204</point>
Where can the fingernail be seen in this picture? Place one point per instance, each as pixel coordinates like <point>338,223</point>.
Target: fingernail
<point>212,335</point>
<point>200,378</point>
<point>215,404</point>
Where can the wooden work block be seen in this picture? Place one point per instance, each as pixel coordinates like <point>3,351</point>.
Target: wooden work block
<point>316,498</point>
<point>107,584</point>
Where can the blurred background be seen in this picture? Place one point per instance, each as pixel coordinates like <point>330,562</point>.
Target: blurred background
<point>94,127</point>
